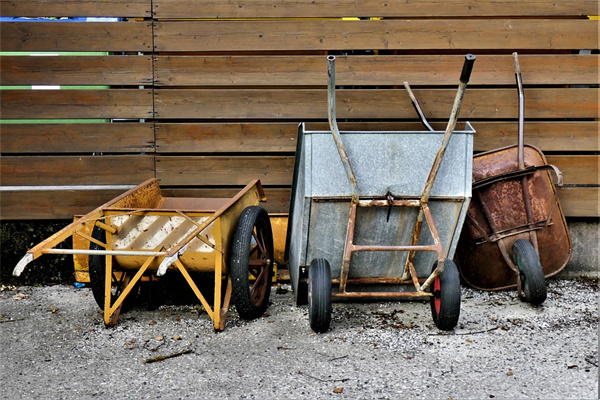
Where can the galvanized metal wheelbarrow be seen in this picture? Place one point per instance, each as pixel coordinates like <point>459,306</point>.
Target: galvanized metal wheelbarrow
<point>227,241</point>
<point>362,221</point>
<point>516,233</point>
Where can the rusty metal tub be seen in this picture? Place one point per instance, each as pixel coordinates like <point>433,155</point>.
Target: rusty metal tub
<point>516,233</point>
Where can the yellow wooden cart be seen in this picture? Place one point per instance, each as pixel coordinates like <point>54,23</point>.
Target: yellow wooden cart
<point>143,233</point>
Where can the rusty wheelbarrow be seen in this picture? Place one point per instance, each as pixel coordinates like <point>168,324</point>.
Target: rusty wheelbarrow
<point>515,233</point>
<point>227,241</point>
<point>360,208</point>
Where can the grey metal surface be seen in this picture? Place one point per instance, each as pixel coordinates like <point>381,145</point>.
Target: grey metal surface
<point>395,161</point>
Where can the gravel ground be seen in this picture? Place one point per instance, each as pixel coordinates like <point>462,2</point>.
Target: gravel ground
<point>53,345</point>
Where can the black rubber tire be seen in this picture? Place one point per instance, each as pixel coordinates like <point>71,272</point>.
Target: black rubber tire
<point>97,270</point>
<point>251,298</point>
<point>533,282</point>
<point>445,302</point>
<point>319,295</point>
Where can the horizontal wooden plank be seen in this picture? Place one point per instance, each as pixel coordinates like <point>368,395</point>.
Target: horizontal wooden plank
<point>352,8</point>
<point>385,70</point>
<point>76,36</point>
<point>50,204</point>
<point>75,170</point>
<point>580,201</point>
<point>577,169</point>
<point>72,70</point>
<point>547,136</point>
<point>376,104</point>
<point>225,138</point>
<point>79,8</point>
<point>260,137</point>
<point>77,138</point>
<point>278,199</point>
<point>109,103</point>
<point>281,136</point>
<point>439,34</point>
<point>54,204</point>
<point>278,170</point>
<point>224,170</point>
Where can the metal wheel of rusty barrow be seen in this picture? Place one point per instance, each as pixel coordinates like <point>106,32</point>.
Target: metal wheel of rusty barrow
<point>252,263</point>
<point>445,302</point>
<point>530,272</point>
<point>319,295</point>
<point>97,269</point>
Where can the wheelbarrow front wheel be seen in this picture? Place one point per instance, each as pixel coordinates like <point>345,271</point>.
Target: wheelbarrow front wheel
<point>252,263</point>
<point>97,270</point>
<point>319,295</point>
<point>530,272</point>
<point>445,302</point>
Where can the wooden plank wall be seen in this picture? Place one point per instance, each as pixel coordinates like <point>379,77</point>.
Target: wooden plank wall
<point>206,95</point>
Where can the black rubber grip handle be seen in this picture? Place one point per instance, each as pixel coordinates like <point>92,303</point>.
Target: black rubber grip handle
<point>467,68</point>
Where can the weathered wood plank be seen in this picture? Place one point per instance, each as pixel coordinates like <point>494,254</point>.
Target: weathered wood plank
<point>375,104</point>
<point>223,170</point>
<point>50,204</point>
<point>281,136</point>
<point>75,170</point>
<point>278,170</point>
<point>278,199</point>
<point>76,36</point>
<point>575,201</point>
<point>548,69</point>
<point>225,138</point>
<point>547,136</point>
<point>109,103</point>
<point>352,8</point>
<point>580,201</point>
<point>76,8</point>
<point>71,70</point>
<point>77,138</point>
<point>577,169</point>
<point>439,34</point>
<point>64,204</point>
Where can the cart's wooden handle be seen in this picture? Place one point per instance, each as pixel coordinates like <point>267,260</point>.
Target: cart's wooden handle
<point>467,68</point>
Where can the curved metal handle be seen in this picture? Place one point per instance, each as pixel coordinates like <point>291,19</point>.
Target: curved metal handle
<point>335,132</point>
<point>520,155</point>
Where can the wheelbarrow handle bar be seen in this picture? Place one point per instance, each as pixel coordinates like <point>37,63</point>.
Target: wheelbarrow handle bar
<point>467,68</point>
<point>466,73</point>
<point>519,79</point>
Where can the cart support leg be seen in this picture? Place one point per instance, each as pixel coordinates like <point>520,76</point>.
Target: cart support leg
<point>218,284</point>
<point>413,242</point>
<point>112,315</point>
<point>194,287</point>
<point>225,308</point>
<point>348,248</point>
<point>108,313</point>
